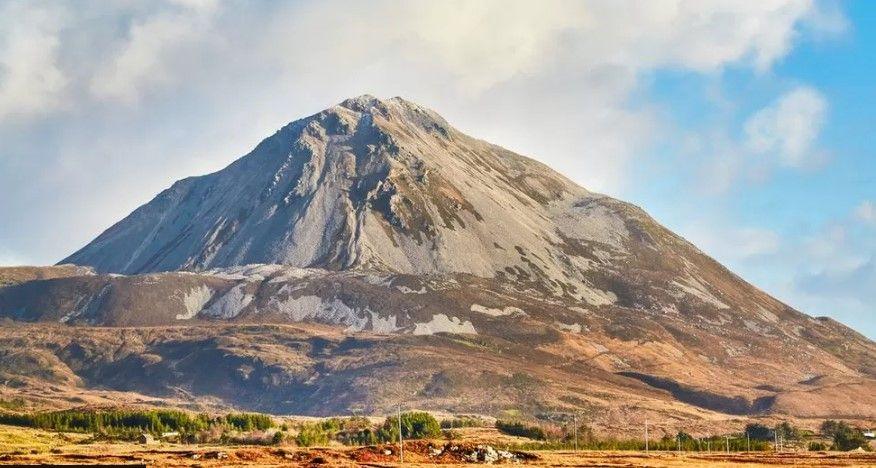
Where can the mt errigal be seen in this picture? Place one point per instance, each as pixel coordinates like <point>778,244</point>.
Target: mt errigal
<point>373,242</point>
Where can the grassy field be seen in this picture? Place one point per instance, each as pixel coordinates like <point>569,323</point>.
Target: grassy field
<point>29,446</point>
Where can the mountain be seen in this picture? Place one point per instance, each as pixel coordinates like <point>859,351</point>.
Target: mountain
<point>382,185</point>
<point>372,243</point>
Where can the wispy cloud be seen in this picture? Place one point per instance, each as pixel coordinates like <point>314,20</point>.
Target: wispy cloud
<point>828,271</point>
<point>31,81</point>
<point>153,52</point>
<point>789,128</point>
<point>782,135</point>
<point>866,212</point>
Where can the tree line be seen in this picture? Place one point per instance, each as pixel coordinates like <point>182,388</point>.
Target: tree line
<point>128,422</point>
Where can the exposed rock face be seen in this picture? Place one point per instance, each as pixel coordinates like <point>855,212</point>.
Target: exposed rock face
<point>377,218</point>
<point>380,185</point>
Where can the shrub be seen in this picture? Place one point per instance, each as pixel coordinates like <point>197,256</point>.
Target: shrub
<point>14,404</point>
<point>462,421</point>
<point>817,446</point>
<point>349,431</point>
<point>312,434</point>
<point>517,428</point>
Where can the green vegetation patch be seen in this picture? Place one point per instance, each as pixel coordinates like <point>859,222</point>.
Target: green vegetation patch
<point>129,423</point>
<point>360,431</point>
<point>520,429</point>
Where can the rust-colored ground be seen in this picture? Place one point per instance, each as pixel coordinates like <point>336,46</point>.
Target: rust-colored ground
<point>272,456</point>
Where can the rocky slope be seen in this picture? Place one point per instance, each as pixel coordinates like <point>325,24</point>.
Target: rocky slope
<point>465,269</point>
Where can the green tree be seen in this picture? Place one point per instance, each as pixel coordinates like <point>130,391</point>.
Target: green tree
<point>846,437</point>
<point>787,432</point>
<point>757,431</point>
<point>830,427</point>
<point>414,425</point>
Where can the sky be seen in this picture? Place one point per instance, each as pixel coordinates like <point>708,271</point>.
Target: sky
<point>745,127</point>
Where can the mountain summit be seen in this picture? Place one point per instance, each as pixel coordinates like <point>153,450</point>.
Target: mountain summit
<point>374,184</point>
<point>475,278</point>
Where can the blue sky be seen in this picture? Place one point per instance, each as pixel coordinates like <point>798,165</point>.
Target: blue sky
<point>811,227</point>
<point>743,126</point>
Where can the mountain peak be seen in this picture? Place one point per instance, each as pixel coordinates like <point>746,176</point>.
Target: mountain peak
<point>366,101</point>
<point>360,103</point>
<point>395,109</point>
<point>381,184</point>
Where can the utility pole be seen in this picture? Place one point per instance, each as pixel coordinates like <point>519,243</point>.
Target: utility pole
<point>776,440</point>
<point>727,444</point>
<point>748,442</point>
<point>646,436</point>
<point>575,429</point>
<point>401,442</point>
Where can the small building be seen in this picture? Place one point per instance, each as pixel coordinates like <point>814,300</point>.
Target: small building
<point>172,436</point>
<point>871,434</point>
<point>146,439</point>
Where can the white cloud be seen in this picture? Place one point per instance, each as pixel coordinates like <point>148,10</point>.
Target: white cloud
<point>783,134</point>
<point>828,271</point>
<point>735,244</point>
<point>832,272</point>
<point>826,20</point>
<point>150,57</point>
<point>556,80</point>
<point>866,212</point>
<point>30,81</point>
<point>852,281</point>
<point>789,127</point>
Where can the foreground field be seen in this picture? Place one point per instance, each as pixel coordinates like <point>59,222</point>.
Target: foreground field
<point>26,446</point>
